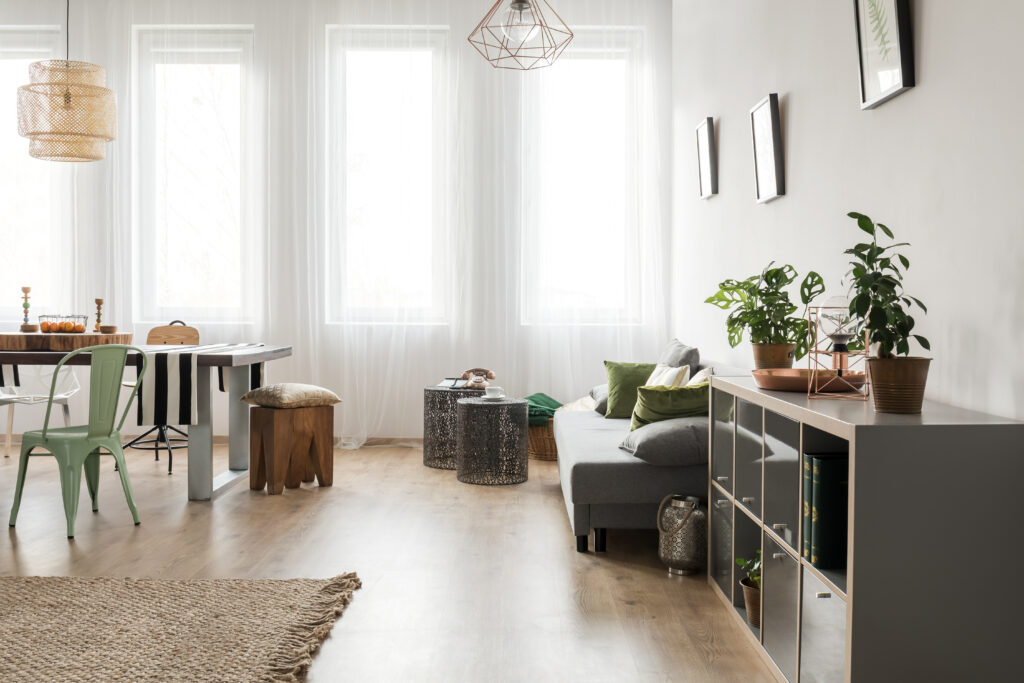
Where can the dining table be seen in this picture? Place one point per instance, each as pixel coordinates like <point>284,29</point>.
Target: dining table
<point>236,360</point>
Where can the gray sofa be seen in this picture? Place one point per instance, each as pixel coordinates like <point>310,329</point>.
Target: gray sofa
<point>606,487</point>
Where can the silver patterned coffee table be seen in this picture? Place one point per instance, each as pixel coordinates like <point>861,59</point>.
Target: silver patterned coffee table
<point>491,441</point>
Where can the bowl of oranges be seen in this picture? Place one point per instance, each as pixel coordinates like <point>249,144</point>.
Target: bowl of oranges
<point>65,324</point>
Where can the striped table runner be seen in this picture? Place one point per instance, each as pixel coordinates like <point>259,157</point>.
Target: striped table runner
<point>166,396</point>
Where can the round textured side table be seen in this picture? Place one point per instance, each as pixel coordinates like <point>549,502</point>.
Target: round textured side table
<point>439,425</point>
<point>492,441</point>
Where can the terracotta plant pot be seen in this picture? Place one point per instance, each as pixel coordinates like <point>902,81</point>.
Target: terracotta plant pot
<point>773,355</point>
<point>897,384</point>
<point>752,600</point>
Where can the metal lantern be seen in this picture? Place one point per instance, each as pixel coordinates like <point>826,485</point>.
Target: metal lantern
<point>682,534</point>
<point>521,34</point>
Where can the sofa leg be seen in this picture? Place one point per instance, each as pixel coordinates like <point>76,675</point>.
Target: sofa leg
<point>581,543</point>
<point>600,540</point>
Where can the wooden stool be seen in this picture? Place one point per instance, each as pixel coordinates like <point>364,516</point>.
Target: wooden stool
<point>290,445</point>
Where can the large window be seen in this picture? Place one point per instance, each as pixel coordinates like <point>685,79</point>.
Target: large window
<point>197,238</point>
<point>33,193</point>
<point>581,191</point>
<point>386,174</point>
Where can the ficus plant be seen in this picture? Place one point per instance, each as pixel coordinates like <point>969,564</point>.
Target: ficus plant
<point>752,567</point>
<point>760,304</point>
<point>876,291</point>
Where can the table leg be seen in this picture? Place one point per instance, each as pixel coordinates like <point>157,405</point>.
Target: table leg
<point>238,419</point>
<point>200,441</point>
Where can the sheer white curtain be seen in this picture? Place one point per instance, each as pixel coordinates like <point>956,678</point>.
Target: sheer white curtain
<point>351,178</point>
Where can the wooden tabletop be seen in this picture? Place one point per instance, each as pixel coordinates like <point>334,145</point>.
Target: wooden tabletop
<point>226,358</point>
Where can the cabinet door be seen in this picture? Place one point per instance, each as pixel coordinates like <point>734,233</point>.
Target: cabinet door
<point>822,633</point>
<point>749,427</point>
<point>720,511</point>
<point>779,606</point>
<point>782,476</point>
<point>722,416</point>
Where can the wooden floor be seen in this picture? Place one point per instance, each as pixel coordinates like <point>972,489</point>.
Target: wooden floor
<point>460,582</point>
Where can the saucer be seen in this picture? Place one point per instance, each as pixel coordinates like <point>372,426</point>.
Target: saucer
<point>494,398</point>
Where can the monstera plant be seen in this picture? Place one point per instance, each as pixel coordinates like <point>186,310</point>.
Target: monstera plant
<point>760,305</point>
<point>878,298</point>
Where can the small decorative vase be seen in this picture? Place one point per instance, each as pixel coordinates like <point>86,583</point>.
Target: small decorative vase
<point>752,601</point>
<point>897,384</point>
<point>682,534</point>
<point>773,355</point>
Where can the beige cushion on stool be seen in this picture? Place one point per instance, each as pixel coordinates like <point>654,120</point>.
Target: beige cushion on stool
<point>291,395</point>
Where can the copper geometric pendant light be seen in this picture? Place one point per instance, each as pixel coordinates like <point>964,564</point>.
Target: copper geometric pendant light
<point>521,34</point>
<point>66,112</point>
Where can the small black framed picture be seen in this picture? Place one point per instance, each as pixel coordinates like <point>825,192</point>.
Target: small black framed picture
<point>707,159</point>
<point>769,169</point>
<point>885,43</point>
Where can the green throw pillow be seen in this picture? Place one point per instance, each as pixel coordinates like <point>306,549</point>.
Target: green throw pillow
<point>654,404</point>
<point>623,380</point>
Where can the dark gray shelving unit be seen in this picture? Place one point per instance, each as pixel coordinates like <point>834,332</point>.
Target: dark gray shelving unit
<point>896,611</point>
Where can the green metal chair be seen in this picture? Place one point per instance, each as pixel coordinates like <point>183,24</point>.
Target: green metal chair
<point>76,448</point>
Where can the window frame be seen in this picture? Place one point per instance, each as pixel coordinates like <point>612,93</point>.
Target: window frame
<point>339,38</point>
<point>589,43</point>
<point>178,43</point>
<point>37,42</point>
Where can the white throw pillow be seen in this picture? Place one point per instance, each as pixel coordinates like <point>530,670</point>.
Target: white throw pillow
<point>291,395</point>
<point>701,377</point>
<point>668,376</point>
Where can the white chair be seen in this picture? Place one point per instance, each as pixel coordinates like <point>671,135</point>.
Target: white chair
<point>34,389</point>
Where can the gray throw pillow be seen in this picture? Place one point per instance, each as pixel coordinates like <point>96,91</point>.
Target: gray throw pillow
<point>677,354</point>
<point>600,395</point>
<point>681,442</point>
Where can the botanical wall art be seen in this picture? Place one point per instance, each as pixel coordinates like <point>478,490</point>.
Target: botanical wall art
<point>769,170</point>
<point>886,51</point>
<point>707,158</point>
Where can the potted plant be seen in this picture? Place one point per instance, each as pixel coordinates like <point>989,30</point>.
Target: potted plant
<point>752,587</point>
<point>761,305</point>
<point>877,297</point>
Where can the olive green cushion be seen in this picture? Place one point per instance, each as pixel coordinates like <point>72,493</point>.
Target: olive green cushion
<point>623,381</point>
<point>654,404</point>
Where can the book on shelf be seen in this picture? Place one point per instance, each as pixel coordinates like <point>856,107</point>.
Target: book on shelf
<point>829,495</point>
<point>808,492</point>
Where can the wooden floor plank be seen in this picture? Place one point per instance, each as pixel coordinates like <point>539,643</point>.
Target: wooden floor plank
<point>460,582</point>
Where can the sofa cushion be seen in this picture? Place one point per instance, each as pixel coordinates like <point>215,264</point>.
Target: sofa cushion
<point>623,381</point>
<point>678,354</point>
<point>680,442</point>
<point>655,404</point>
<point>593,469</point>
<point>600,396</point>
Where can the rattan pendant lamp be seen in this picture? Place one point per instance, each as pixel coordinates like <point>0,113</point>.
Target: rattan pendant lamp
<point>66,111</point>
<point>521,34</point>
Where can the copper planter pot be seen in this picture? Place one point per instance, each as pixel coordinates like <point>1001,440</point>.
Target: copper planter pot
<point>752,601</point>
<point>773,355</point>
<point>897,384</point>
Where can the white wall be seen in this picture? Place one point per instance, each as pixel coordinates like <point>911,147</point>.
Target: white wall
<point>941,164</point>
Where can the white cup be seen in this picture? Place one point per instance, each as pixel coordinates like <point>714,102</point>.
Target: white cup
<point>494,392</point>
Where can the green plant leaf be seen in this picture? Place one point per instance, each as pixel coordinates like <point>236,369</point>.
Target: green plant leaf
<point>923,342</point>
<point>887,231</point>
<point>865,224</point>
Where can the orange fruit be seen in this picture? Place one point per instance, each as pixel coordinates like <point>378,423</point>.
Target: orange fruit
<point>44,326</point>
<point>79,327</point>
<point>67,326</point>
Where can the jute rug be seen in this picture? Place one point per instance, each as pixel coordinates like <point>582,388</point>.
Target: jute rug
<point>109,629</point>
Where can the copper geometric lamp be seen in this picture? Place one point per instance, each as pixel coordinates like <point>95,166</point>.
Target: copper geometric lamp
<point>521,34</point>
<point>66,112</point>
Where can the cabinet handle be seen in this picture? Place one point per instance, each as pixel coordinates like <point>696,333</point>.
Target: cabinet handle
<point>779,527</point>
<point>823,595</point>
<point>722,479</point>
<point>779,556</point>
<point>721,503</point>
<point>748,500</point>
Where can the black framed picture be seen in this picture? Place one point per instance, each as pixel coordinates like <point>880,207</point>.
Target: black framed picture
<point>886,49</point>
<point>707,159</point>
<point>766,130</point>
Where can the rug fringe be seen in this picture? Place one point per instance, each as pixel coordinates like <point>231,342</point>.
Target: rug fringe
<point>292,659</point>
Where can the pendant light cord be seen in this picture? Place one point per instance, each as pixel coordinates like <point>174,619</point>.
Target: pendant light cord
<point>67,33</point>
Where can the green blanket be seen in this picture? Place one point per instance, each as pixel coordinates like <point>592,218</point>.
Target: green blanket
<point>542,408</point>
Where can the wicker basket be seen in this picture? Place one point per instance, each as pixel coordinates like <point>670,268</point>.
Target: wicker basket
<point>542,442</point>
